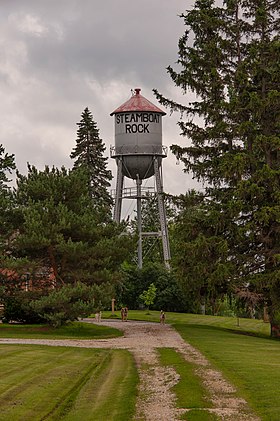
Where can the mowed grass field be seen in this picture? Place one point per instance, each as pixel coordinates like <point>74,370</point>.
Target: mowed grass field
<point>59,383</point>
<point>242,350</point>
<point>73,384</point>
<point>77,330</point>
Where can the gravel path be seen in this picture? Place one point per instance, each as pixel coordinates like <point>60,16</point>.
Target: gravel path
<point>156,401</point>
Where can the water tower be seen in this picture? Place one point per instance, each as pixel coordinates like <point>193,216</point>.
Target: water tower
<point>138,152</point>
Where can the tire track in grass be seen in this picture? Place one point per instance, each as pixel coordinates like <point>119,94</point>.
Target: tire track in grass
<point>142,339</point>
<point>156,401</point>
<point>24,379</point>
<point>190,392</point>
<point>31,400</point>
<point>100,393</point>
<point>66,402</point>
<point>111,388</point>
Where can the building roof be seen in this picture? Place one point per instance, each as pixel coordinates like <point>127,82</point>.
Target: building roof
<point>138,103</point>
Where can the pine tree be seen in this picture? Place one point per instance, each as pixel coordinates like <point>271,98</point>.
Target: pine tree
<point>7,164</point>
<point>88,153</point>
<point>229,57</point>
<point>61,232</point>
<point>201,253</point>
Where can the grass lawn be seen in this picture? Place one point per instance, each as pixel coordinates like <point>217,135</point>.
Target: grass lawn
<point>76,330</point>
<point>252,364</point>
<point>245,354</point>
<point>57,383</point>
<point>189,391</point>
<point>257,327</point>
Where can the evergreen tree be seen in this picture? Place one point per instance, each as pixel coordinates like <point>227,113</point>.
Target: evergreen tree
<point>201,253</point>
<point>61,232</point>
<point>60,241</point>
<point>229,57</point>
<point>69,303</point>
<point>7,164</point>
<point>88,153</point>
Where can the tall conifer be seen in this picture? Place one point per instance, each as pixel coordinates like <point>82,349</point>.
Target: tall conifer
<point>89,153</point>
<point>229,56</point>
<point>7,164</point>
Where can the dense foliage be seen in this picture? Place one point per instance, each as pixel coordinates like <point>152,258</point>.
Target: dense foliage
<point>169,295</point>
<point>57,233</point>
<point>62,231</point>
<point>229,56</point>
<point>7,165</point>
<point>70,302</point>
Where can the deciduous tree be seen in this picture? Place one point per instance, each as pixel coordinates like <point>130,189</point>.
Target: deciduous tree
<point>148,296</point>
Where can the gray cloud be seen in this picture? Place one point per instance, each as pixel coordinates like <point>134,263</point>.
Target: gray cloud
<point>59,56</point>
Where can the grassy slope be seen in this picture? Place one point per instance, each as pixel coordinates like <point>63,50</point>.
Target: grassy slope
<point>250,361</point>
<point>257,327</point>
<point>51,383</point>
<point>189,391</point>
<point>113,389</point>
<point>252,364</point>
<point>75,330</point>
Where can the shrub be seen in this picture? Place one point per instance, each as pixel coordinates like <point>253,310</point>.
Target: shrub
<point>70,302</point>
<point>17,308</point>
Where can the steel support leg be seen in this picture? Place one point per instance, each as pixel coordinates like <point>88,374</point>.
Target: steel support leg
<point>119,190</point>
<point>139,222</point>
<point>162,214</point>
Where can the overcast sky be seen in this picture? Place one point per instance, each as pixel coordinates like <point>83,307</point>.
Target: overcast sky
<point>59,56</point>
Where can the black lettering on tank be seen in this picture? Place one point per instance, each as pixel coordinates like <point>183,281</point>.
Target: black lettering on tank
<point>145,118</point>
<point>137,128</point>
<point>140,128</point>
<point>143,128</point>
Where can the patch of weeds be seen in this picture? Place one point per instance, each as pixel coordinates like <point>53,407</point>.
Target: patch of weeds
<point>189,390</point>
<point>199,415</point>
<point>145,367</point>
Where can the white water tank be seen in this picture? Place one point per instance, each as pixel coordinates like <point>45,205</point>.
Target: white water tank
<point>138,136</point>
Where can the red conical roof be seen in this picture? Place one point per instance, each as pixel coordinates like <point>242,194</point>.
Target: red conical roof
<point>138,103</point>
